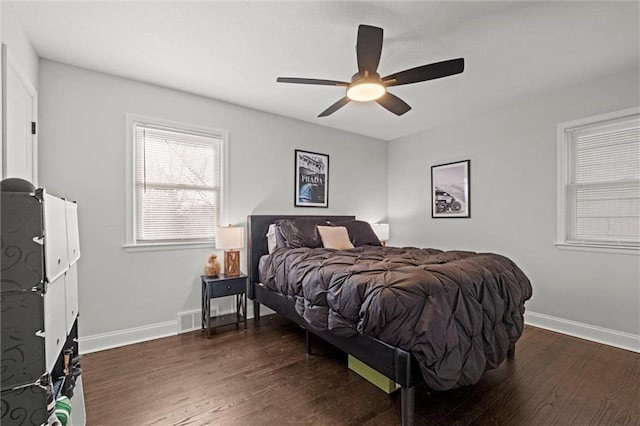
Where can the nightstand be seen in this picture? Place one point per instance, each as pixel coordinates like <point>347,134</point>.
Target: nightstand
<point>220,286</point>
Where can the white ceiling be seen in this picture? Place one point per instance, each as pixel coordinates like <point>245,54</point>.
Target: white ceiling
<point>233,51</point>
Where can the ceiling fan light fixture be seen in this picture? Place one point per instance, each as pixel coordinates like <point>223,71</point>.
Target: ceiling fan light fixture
<point>365,90</point>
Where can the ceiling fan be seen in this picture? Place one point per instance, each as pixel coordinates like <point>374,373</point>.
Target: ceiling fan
<point>366,84</point>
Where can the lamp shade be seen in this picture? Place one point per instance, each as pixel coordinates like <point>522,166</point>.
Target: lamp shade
<point>381,230</point>
<point>229,237</point>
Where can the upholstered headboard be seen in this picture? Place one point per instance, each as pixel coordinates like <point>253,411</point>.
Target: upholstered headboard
<point>257,227</point>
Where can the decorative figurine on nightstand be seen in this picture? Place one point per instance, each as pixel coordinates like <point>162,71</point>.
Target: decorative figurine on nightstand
<point>212,268</point>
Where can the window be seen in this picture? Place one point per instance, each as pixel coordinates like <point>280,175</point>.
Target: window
<point>175,185</point>
<point>599,181</point>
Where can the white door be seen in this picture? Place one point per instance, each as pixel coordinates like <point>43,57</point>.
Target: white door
<point>55,237</point>
<point>73,237</point>
<point>55,330</point>
<point>20,144</point>
<point>71,295</point>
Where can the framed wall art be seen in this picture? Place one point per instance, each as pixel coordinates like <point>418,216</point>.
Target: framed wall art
<point>312,179</point>
<point>450,190</point>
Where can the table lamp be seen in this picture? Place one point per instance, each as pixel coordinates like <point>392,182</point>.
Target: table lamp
<point>230,239</point>
<point>382,232</point>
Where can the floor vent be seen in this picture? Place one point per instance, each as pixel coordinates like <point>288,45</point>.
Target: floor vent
<point>188,321</point>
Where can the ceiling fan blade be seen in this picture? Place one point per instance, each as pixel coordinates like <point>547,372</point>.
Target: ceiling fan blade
<point>393,104</point>
<point>368,48</point>
<point>425,72</point>
<point>311,81</point>
<point>333,108</point>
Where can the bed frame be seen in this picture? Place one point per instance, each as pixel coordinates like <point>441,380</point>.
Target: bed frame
<point>395,363</point>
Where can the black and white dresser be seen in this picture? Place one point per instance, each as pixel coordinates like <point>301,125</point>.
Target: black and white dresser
<point>39,305</point>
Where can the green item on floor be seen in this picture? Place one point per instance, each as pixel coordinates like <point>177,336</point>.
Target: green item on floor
<point>378,379</point>
<point>63,409</point>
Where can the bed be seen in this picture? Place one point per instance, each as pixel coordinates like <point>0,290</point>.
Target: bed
<point>409,358</point>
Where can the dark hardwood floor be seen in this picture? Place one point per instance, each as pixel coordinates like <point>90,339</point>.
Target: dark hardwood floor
<point>264,377</point>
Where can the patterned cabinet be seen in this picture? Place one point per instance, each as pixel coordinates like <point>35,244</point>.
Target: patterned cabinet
<point>38,294</point>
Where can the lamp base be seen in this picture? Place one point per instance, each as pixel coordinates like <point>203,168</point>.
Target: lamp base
<point>231,263</point>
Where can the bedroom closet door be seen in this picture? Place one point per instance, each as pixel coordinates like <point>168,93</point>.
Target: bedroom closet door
<point>19,147</point>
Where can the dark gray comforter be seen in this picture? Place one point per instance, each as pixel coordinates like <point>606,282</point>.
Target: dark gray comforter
<point>456,311</point>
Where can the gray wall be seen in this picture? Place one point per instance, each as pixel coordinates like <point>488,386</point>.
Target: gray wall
<point>82,157</point>
<point>513,202</point>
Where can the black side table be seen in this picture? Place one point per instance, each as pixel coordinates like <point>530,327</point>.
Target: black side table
<point>220,286</point>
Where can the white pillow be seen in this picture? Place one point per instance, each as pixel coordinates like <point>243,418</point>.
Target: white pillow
<point>335,237</point>
<point>271,238</point>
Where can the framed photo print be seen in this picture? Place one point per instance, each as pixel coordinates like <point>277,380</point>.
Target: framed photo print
<point>312,179</point>
<point>450,190</point>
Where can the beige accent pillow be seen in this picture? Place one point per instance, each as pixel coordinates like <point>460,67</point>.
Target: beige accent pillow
<point>335,237</point>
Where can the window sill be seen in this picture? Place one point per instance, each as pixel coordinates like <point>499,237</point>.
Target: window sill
<point>602,248</point>
<point>132,248</point>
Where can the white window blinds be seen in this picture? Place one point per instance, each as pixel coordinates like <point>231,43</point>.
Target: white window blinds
<point>603,183</point>
<point>177,184</point>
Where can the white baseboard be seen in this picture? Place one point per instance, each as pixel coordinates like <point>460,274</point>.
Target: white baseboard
<point>605,336</point>
<point>100,342</point>
<point>619,339</point>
